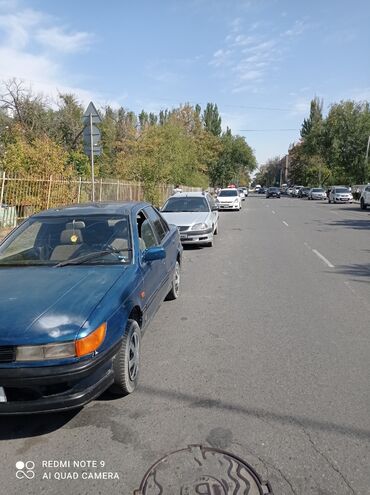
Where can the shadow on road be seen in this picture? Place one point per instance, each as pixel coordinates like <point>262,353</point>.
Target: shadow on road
<point>303,422</point>
<point>357,224</point>
<point>25,426</point>
<point>355,270</point>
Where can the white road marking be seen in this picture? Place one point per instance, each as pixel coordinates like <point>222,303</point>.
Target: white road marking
<point>273,212</point>
<point>330,265</point>
<point>285,223</point>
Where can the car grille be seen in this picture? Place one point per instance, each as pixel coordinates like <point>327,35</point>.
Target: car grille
<point>7,353</point>
<point>183,227</point>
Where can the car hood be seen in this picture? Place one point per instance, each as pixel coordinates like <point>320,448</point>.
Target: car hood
<point>226,199</point>
<point>44,304</point>
<point>187,218</point>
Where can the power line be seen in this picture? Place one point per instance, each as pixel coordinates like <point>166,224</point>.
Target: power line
<point>266,130</point>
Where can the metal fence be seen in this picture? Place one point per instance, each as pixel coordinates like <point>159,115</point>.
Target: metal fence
<point>22,196</point>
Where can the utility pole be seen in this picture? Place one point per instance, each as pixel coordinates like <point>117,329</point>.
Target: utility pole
<point>366,159</point>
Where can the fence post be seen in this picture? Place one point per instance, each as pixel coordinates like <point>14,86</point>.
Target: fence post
<point>49,192</point>
<point>2,193</point>
<point>117,190</point>
<point>79,189</point>
<point>101,187</point>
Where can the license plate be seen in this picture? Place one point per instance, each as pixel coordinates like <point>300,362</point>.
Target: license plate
<point>183,236</point>
<point>2,395</point>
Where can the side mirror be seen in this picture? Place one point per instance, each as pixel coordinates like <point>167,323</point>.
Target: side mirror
<point>154,253</point>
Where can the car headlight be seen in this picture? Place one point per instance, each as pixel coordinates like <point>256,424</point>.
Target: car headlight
<point>199,226</point>
<point>76,348</point>
<point>236,200</point>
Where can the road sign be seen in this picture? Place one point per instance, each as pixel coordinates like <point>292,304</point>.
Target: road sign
<point>91,138</point>
<point>95,117</point>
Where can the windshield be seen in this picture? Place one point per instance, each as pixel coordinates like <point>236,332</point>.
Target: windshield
<point>54,240</point>
<point>341,190</point>
<point>186,204</point>
<point>318,190</point>
<point>228,192</point>
<point>273,189</point>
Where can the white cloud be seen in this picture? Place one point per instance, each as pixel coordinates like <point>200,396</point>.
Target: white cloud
<point>221,58</point>
<point>58,39</point>
<point>30,47</point>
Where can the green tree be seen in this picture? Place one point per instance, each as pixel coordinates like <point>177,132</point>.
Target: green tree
<point>212,119</point>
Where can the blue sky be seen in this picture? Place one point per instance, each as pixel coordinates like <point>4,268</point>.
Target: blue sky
<point>261,61</point>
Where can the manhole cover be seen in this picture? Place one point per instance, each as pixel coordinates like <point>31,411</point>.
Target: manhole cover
<point>199,470</point>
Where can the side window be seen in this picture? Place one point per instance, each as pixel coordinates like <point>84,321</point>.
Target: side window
<point>163,222</point>
<point>211,201</point>
<point>156,221</point>
<point>147,237</point>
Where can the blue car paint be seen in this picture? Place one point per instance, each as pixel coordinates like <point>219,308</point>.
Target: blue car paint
<point>41,305</point>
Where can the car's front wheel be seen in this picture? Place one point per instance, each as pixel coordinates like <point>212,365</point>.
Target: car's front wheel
<point>126,364</point>
<point>175,285</point>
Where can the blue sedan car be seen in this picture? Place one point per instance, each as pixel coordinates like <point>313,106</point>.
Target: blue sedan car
<point>78,287</point>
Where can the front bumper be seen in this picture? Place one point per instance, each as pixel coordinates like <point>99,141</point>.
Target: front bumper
<point>225,206</point>
<point>196,237</point>
<point>48,389</point>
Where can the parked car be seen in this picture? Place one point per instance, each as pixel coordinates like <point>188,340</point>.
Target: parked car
<point>257,188</point>
<point>246,192</point>
<point>290,191</point>
<point>261,190</point>
<point>79,287</point>
<point>365,197</point>
<point>316,193</point>
<point>303,192</point>
<point>340,194</point>
<point>241,194</point>
<point>272,192</point>
<point>229,199</point>
<point>295,191</point>
<point>196,216</point>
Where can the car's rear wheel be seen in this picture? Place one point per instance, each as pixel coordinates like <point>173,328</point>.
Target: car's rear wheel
<point>363,204</point>
<point>175,285</point>
<point>126,364</point>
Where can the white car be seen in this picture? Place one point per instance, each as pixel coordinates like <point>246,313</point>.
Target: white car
<point>289,191</point>
<point>229,199</point>
<point>365,197</point>
<point>241,194</point>
<point>317,193</point>
<point>196,216</point>
<point>340,194</point>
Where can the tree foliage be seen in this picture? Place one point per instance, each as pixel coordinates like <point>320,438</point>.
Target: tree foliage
<point>179,145</point>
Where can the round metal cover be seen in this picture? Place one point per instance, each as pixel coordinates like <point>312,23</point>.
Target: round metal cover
<point>199,470</point>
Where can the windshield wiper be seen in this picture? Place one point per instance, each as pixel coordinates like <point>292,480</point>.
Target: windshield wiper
<point>91,256</point>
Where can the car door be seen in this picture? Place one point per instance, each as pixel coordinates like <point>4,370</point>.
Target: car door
<point>167,241</point>
<point>214,210</point>
<point>153,272</point>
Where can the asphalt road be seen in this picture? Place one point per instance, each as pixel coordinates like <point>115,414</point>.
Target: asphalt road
<point>266,354</point>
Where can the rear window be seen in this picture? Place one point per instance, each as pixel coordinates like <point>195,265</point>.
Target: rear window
<point>229,192</point>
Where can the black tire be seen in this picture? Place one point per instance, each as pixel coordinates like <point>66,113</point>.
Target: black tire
<point>216,230</point>
<point>329,201</point>
<point>362,204</point>
<point>175,284</point>
<point>126,363</point>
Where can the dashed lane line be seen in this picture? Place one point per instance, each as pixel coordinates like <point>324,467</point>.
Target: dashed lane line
<point>325,260</point>
<point>285,223</point>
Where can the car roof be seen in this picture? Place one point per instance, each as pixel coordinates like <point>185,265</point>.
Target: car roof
<point>104,208</point>
<point>193,194</point>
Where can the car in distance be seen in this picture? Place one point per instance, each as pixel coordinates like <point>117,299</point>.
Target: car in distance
<point>316,193</point>
<point>229,199</point>
<point>272,192</point>
<point>196,216</point>
<point>261,190</point>
<point>79,287</point>
<point>303,192</point>
<point>241,193</point>
<point>365,197</point>
<point>245,190</point>
<point>340,194</point>
<point>295,191</point>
